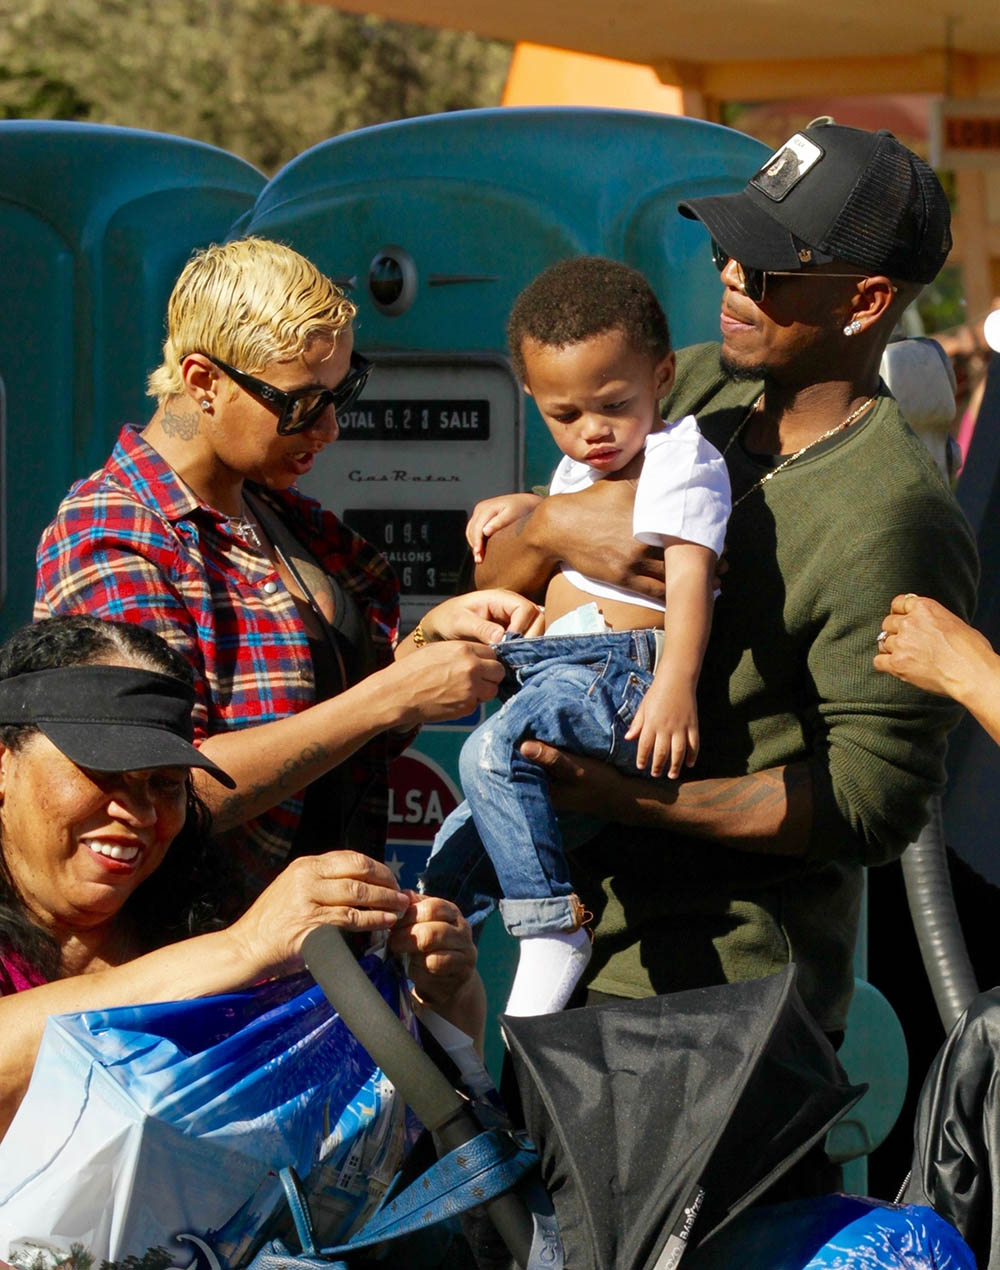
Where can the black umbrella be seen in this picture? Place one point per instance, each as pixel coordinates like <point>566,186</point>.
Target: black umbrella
<point>658,1120</point>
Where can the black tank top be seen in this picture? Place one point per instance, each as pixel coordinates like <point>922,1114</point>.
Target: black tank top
<point>342,655</point>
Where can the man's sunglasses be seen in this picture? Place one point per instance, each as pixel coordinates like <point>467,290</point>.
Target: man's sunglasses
<point>299,409</point>
<point>753,282</point>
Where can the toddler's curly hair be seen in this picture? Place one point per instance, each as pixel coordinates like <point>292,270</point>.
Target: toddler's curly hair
<point>585,296</point>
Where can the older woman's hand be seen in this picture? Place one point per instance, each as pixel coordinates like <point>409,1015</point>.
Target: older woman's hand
<point>442,959</point>
<point>484,616</point>
<point>338,888</point>
<point>929,647</point>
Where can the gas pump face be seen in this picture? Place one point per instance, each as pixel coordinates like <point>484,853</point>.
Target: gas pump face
<point>431,436</point>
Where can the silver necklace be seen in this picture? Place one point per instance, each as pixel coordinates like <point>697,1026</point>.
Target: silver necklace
<point>246,530</point>
<point>830,432</point>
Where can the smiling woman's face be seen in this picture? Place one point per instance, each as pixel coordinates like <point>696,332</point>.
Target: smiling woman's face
<point>77,843</point>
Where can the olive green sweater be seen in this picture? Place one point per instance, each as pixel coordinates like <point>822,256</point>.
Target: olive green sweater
<point>815,557</point>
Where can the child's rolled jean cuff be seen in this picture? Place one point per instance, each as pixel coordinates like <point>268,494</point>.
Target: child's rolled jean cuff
<point>548,915</point>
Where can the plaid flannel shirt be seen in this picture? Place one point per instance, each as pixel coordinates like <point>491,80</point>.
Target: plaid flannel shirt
<point>133,543</point>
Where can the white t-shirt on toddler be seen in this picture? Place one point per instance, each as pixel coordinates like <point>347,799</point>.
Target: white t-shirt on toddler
<point>682,492</point>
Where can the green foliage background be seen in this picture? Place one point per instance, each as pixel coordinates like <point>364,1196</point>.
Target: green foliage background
<point>264,79</point>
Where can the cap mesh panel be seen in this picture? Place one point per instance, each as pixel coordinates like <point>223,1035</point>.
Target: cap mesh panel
<point>895,220</point>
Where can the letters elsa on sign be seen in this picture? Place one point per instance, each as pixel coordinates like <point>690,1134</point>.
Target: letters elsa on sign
<point>416,810</point>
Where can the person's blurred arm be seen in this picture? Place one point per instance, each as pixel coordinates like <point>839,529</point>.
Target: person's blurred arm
<point>929,647</point>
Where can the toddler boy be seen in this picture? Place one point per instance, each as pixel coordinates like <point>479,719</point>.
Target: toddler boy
<point>615,674</point>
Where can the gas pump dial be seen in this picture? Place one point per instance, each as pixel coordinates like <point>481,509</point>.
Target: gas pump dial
<point>431,436</point>
<point>392,280</point>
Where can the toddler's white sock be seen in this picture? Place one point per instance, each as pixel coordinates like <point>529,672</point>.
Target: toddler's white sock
<point>548,969</point>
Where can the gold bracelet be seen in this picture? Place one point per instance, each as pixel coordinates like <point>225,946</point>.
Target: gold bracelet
<point>419,638</point>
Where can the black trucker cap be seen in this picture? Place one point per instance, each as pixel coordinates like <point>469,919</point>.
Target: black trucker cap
<point>109,718</point>
<point>835,193</point>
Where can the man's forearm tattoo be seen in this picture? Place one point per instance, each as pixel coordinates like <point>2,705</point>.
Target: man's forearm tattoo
<point>733,794</point>
<point>772,807</point>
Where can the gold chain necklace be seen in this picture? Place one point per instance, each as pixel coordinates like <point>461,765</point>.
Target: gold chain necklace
<point>830,432</point>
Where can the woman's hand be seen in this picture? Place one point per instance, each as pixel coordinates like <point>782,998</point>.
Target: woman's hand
<point>437,939</point>
<point>494,514</point>
<point>339,888</point>
<point>931,648</point>
<point>441,681</point>
<point>483,616</point>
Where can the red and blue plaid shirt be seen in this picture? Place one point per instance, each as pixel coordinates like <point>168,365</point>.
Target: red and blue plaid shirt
<point>133,543</point>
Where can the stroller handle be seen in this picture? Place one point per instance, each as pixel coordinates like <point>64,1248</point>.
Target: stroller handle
<point>422,1086</point>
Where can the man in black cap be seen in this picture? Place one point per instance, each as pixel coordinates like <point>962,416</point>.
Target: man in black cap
<point>811,764</point>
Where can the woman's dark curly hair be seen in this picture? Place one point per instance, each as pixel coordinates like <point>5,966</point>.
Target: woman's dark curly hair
<point>179,898</point>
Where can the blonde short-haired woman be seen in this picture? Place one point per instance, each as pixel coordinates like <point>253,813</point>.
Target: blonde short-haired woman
<point>289,619</point>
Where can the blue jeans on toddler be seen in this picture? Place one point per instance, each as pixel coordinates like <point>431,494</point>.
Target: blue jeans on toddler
<point>577,692</point>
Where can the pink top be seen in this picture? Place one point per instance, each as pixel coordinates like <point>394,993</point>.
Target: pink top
<point>16,975</point>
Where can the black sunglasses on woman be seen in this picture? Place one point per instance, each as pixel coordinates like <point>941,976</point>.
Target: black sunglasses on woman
<point>300,408</point>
